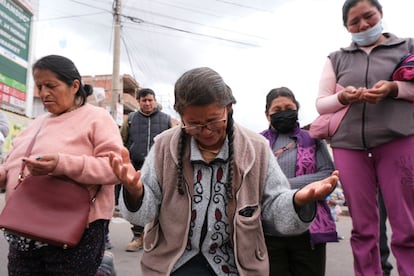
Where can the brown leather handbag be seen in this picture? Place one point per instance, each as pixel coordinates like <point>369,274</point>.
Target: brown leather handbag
<point>45,208</point>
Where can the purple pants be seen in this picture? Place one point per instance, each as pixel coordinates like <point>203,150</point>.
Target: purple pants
<point>389,167</point>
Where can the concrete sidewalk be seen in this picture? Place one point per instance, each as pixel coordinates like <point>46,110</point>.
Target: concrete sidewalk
<point>339,255</point>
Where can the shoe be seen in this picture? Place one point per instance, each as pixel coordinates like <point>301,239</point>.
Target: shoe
<point>108,245</point>
<point>136,244</point>
<point>117,213</point>
<point>107,267</point>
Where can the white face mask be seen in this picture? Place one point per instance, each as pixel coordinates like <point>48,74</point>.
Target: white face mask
<point>369,36</point>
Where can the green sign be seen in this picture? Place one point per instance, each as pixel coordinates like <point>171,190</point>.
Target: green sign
<point>14,53</point>
<point>14,30</point>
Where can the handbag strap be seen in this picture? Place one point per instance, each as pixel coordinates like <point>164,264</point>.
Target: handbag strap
<point>27,153</point>
<point>289,146</point>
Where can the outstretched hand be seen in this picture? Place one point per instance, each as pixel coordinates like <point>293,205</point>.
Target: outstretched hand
<point>127,175</point>
<point>317,190</point>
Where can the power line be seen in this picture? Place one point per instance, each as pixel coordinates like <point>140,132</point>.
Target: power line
<point>87,5</point>
<point>69,16</point>
<point>244,6</point>
<point>138,20</point>
<point>129,57</point>
<point>145,69</point>
<point>178,19</point>
<point>186,8</point>
<point>142,21</point>
<point>195,23</point>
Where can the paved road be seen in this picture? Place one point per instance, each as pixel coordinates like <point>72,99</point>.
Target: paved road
<point>339,256</point>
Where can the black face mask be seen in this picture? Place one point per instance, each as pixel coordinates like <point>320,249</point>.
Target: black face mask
<point>284,121</point>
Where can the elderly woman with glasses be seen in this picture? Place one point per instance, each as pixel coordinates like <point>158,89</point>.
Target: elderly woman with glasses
<point>207,189</point>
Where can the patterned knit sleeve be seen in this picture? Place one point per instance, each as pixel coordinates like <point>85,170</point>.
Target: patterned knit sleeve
<point>278,212</point>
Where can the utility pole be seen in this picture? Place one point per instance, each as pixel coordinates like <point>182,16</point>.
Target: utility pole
<point>116,82</point>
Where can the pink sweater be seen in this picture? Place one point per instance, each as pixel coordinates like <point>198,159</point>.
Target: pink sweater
<point>83,139</point>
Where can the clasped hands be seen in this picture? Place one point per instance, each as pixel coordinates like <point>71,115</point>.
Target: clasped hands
<point>379,91</point>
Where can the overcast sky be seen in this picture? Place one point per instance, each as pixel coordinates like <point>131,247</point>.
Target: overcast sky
<point>255,45</point>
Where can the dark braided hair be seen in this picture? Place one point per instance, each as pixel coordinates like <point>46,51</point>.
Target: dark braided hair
<point>200,87</point>
<point>230,134</point>
<point>181,143</point>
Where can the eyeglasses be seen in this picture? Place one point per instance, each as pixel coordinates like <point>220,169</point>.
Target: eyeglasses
<point>212,126</point>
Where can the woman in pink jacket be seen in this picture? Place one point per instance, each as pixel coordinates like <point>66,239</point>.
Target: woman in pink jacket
<point>74,140</point>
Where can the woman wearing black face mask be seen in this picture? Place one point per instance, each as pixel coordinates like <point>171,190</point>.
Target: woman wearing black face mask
<point>302,159</point>
<point>284,121</point>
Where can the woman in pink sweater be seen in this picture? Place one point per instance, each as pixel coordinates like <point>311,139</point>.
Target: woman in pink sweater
<point>74,140</point>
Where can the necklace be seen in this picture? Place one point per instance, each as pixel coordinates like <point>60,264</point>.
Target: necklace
<point>208,154</point>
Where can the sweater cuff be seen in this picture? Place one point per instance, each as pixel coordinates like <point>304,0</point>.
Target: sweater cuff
<point>306,213</point>
<point>405,90</point>
<point>126,195</point>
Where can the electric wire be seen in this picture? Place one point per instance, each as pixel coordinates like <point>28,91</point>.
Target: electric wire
<point>194,22</point>
<point>244,6</point>
<point>139,20</point>
<point>134,52</point>
<point>68,17</point>
<point>128,56</point>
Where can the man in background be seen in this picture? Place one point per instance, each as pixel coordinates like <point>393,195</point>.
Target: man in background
<point>138,134</point>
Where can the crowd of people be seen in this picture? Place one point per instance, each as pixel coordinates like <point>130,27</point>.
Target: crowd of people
<point>206,195</point>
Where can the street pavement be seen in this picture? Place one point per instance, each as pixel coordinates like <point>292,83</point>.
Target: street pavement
<point>339,255</point>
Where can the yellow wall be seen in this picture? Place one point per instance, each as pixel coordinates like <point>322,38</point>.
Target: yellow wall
<point>16,124</point>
